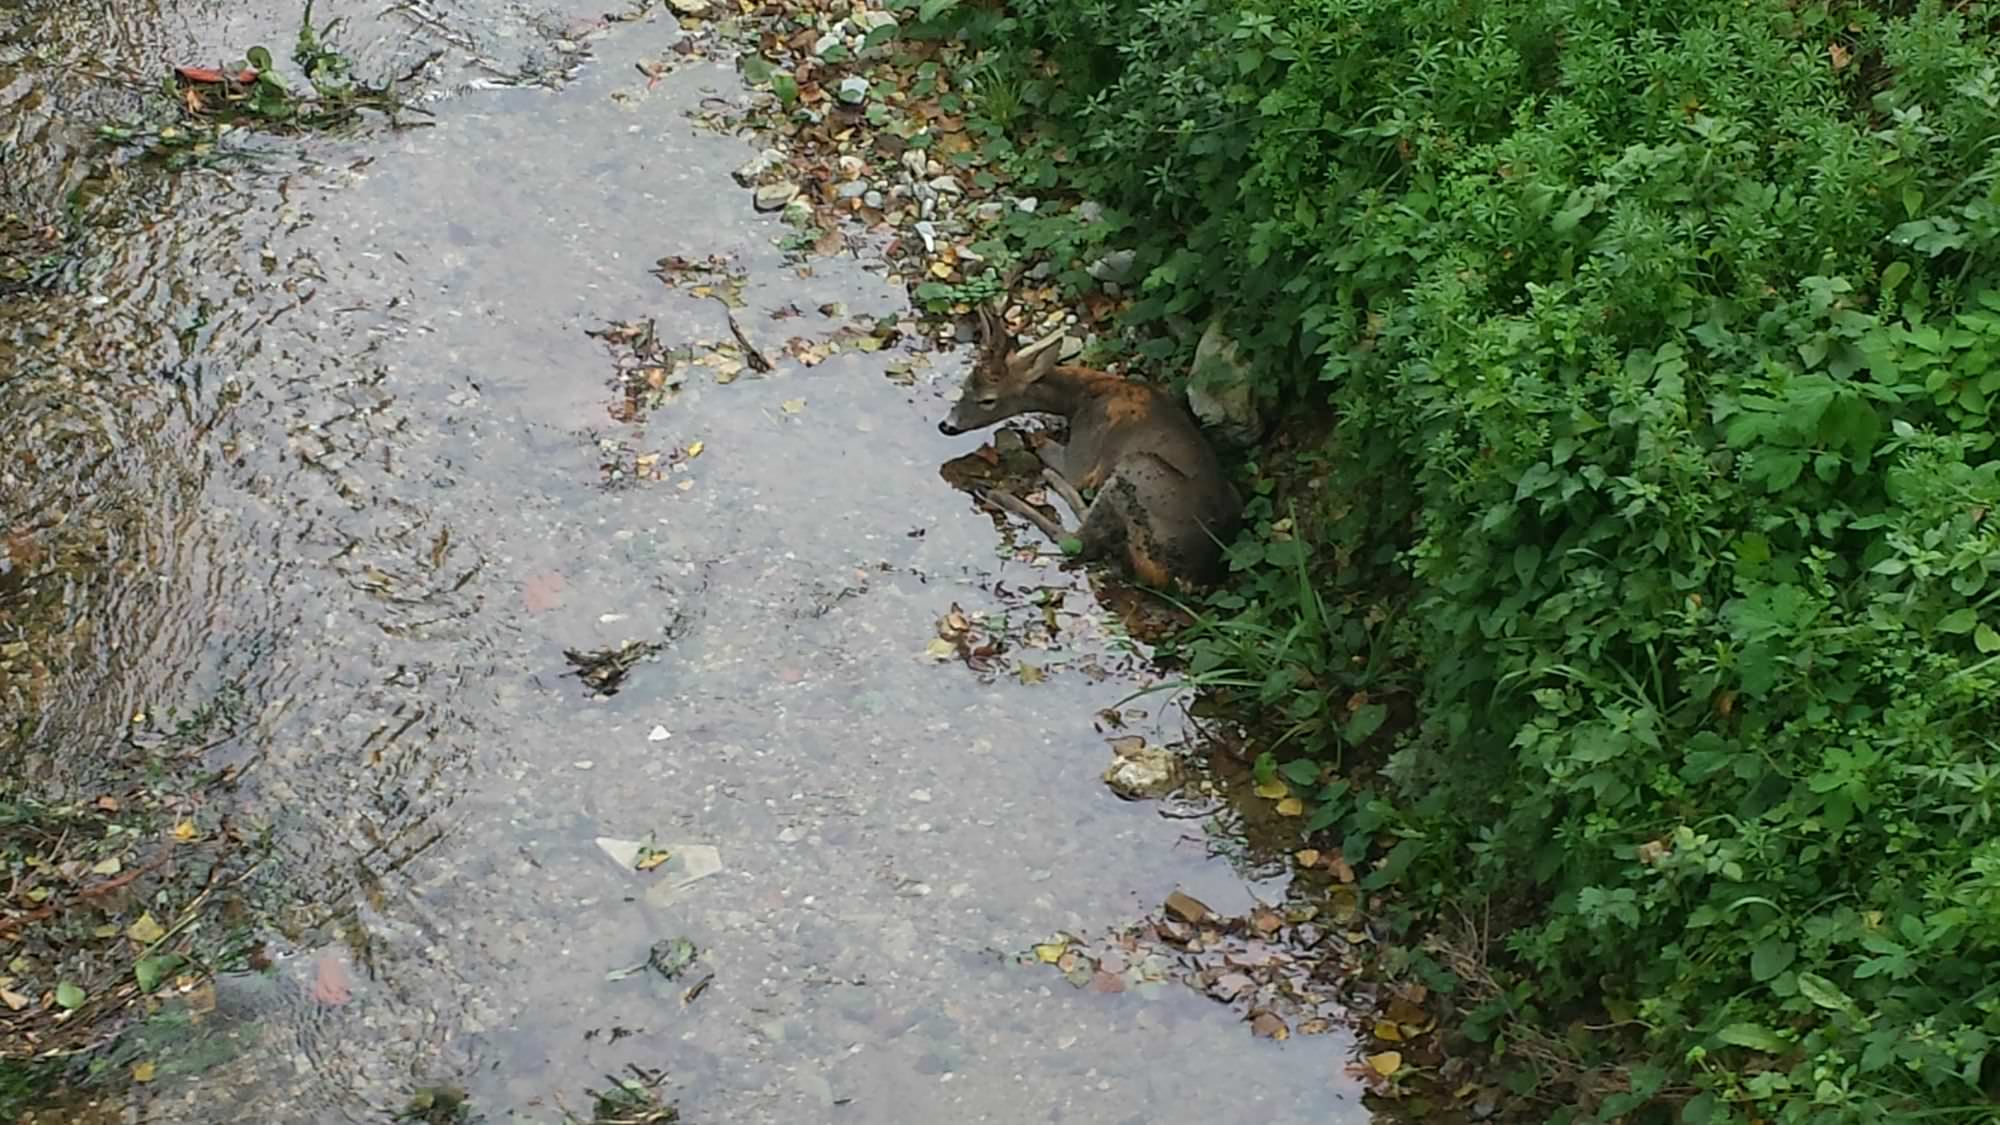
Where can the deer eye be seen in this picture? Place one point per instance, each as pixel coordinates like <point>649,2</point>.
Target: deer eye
<point>989,400</point>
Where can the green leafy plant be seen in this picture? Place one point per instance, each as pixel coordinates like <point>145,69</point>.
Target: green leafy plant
<point>1650,351</point>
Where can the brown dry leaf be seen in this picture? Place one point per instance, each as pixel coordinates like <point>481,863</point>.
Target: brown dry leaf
<point>331,985</point>
<point>1266,921</point>
<point>1267,1025</point>
<point>1387,1063</point>
<point>542,592</point>
<point>1187,908</point>
<point>14,1000</point>
<point>1840,55</point>
<point>107,804</point>
<point>1342,870</point>
<point>1102,981</point>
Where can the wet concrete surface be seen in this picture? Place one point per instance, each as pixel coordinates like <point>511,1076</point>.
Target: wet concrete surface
<point>357,406</point>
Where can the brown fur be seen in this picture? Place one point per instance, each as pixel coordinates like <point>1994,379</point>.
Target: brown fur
<point>1163,505</point>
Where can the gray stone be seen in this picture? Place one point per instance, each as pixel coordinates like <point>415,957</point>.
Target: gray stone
<point>854,89</point>
<point>1219,391</point>
<point>852,189</point>
<point>773,197</point>
<point>757,166</point>
<point>1115,266</point>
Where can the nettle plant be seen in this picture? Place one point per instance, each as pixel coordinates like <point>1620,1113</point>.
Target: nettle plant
<point>1669,333</point>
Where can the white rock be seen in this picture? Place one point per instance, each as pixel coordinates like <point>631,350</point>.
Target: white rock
<point>773,197</point>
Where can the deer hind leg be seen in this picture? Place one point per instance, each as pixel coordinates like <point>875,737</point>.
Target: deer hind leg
<point>1123,520</point>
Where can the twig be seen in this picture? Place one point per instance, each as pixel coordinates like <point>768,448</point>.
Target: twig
<point>758,363</point>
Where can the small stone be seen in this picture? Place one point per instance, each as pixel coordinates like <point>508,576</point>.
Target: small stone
<point>873,199</point>
<point>773,197</point>
<point>658,734</point>
<point>1090,211</point>
<point>1115,266</point>
<point>854,89</point>
<point>947,185</point>
<point>870,20</point>
<point>990,210</point>
<point>689,7</point>
<point>827,43</point>
<point>852,167</point>
<point>852,189</point>
<point>1071,347</point>
<point>913,160</point>
<point>1139,772</point>
<point>754,170</point>
<point>921,796</point>
<point>1028,204</point>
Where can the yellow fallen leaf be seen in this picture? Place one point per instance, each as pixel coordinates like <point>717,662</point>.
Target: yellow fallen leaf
<point>940,649</point>
<point>792,405</point>
<point>107,866</point>
<point>184,831</point>
<point>1291,806</point>
<point>143,1071</point>
<point>1048,953</point>
<point>1387,1029</point>
<point>1386,1063</point>
<point>146,930</point>
<point>1307,857</point>
<point>652,859</point>
<point>694,450</point>
<point>940,270</point>
<point>1271,790</point>
<point>1030,674</point>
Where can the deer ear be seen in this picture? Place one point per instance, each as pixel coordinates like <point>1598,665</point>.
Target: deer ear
<point>1043,363</point>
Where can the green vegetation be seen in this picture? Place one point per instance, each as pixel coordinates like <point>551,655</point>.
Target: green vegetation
<point>124,896</point>
<point>1635,529</point>
<point>196,106</point>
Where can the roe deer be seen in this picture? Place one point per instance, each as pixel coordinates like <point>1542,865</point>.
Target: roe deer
<point>1163,505</point>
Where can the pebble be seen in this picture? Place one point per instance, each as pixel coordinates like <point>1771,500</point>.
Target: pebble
<point>854,89</point>
<point>852,189</point>
<point>754,170</point>
<point>873,199</point>
<point>773,197</point>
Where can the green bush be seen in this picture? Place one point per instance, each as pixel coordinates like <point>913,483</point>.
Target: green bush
<point>1664,347</point>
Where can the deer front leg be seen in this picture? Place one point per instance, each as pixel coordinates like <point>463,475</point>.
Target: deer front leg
<point>1068,492</point>
<point>1022,508</point>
